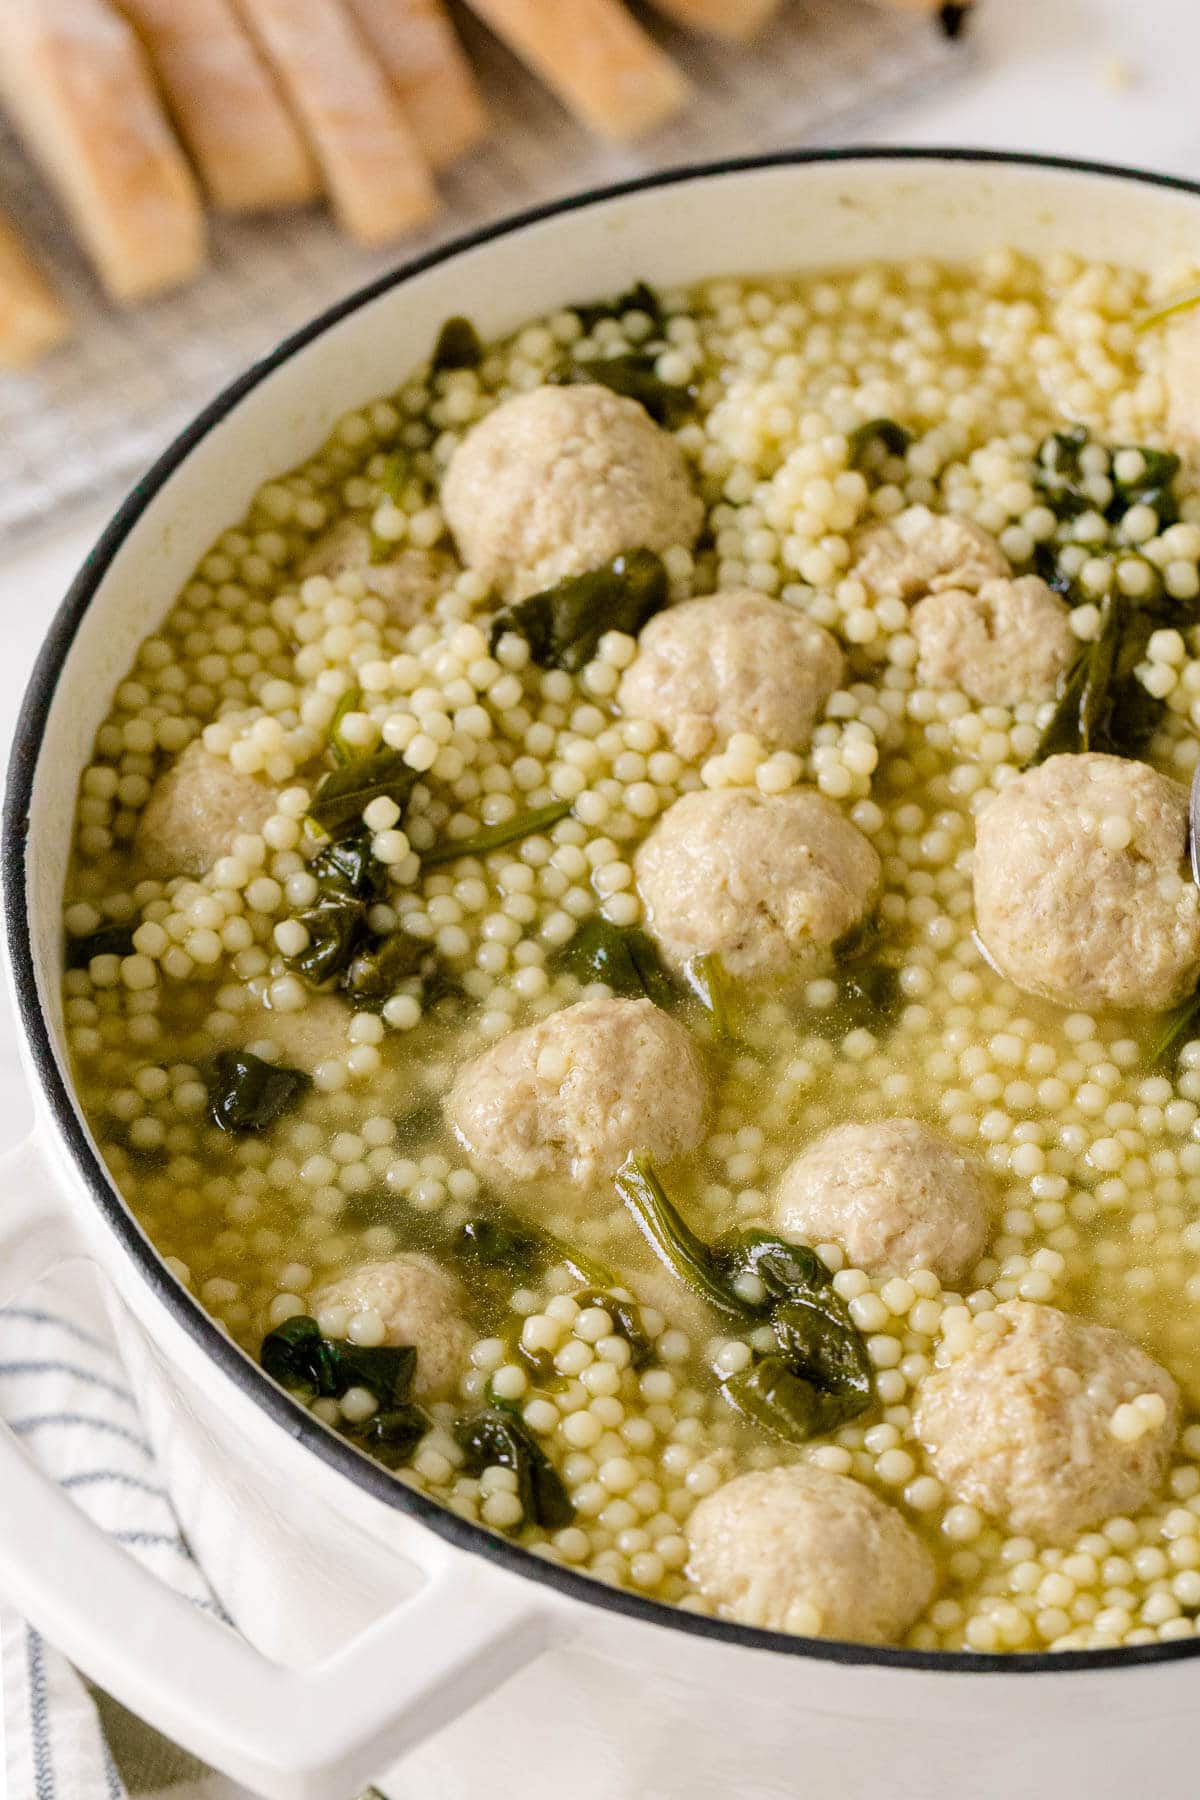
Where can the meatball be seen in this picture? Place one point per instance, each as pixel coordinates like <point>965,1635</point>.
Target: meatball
<point>895,1195</point>
<point>921,552</point>
<point>558,481</point>
<point>574,1095</point>
<point>195,811</point>
<point>407,583</point>
<point>767,883</point>
<point>734,661</point>
<point>1082,893</point>
<point>1006,643</point>
<point>1024,1424</point>
<point>302,1039</point>
<point>417,1303</point>
<point>800,1549</point>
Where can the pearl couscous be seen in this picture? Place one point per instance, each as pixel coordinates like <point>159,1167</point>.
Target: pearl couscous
<point>602,1071</point>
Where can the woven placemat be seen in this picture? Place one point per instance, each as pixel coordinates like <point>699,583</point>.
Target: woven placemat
<point>101,408</point>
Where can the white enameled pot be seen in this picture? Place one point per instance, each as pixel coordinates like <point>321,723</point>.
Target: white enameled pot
<point>377,1626</point>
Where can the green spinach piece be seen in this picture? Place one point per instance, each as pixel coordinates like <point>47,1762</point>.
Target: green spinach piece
<point>110,940</point>
<point>706,977</point>
<point>246,1094</point>
<point>1102,705</point>
<point>564,624</point>
<point>819,1375</point>
<point>672,1239</point>
<point>339,749</point>
<point>338,803</point>
<point>494,837</point>
<point>1060,478</point>
<point>350,880</point>
<point>392,1434</point>
<point>633,376</point>
<point>376,969</point>
<point>458,346</point>
<point>498,1241</point>
<point>641,297</point>
<point>499,1438</point>
<point>1176,1028</point>
<point>627,1323</point>
<point>878,438</point>
<point>621,956</point>
<point>297,1356</point>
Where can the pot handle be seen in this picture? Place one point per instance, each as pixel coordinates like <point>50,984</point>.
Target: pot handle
<point>319,1733</point>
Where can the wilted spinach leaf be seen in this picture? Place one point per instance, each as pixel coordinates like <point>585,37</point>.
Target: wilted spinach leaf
<point>342,794</point>
<point>297,1356</point>
<point>458,346</point>
<point>819,1376</point>
<point>878,438</point>
<point>564,624</point>
<point>633,375</point>
<point>494,837</point>
<point>110,940</point>
<point>1102,705</point>
<point>499,1438</point>
<point>707,979</point>
<point>641,297</point>
<point>247,1094</point>
<point>497,1240</point>
<point>627,1323</point>
<point>621,956</point>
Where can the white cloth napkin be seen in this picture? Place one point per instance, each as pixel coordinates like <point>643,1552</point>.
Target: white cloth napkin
<point>64,1392</point>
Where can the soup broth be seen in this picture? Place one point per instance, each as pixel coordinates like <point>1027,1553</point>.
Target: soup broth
<point>389,786</point>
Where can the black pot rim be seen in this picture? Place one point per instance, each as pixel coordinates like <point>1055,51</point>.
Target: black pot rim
<point>278,1406</point>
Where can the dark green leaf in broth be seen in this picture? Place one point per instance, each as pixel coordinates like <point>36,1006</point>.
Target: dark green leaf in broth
<point>498,1240</point>
<point>300,1358</point>
<point>339,749</point>
<point>418,1124</point>
<point>782,1268</point>
<point>621,956</point>
<point>335,924</point>
<point>495,837</point>
<point>627,1323</point>
<point>1175,1029</point>
<point>641,297</point>
<point>458,346</point>
<point>351,863</point>
<point>246,1094</point>
<point>376,969</point>
<point>391,1435</point>
<point>110,940</point>
<point>633,376</point>
<point>563,625</point>
<point>820,1374</point>
<point>497,1437</point>
<point>876,439</point>
<point>1102,704</point>
<point>342,794</point>
<point>706,977</point>
<point>672,1239</point>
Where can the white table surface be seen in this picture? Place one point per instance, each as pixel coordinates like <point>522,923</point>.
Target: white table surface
<point>1109,79</point>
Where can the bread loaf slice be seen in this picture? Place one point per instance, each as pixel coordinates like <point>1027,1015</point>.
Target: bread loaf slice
<point>596,57</point>
<point>76,81</point>
<point>721,18</point>
<point>419,51</point>
<point>375,173</point>
<point>32,317</point>
<point>247,148</point>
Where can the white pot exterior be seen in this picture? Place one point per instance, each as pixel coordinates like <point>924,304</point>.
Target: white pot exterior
<point>616,1706</point>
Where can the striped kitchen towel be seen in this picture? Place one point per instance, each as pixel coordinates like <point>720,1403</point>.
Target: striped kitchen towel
<point>64,1392</point>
